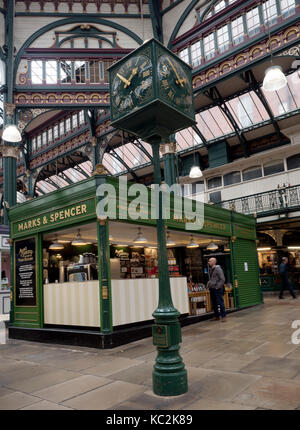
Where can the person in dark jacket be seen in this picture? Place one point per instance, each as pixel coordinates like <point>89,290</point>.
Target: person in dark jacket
<point>284,275</point>
<point>215,285</point>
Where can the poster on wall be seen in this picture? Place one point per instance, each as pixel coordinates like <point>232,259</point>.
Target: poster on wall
<point>25,251</point>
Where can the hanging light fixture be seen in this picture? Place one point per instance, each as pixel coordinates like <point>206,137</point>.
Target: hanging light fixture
<point>274,78</point>
<point>226,248</point>
<point>195,171</point>
<point>55,245</point>
<point>140,238</point>
<point>192,243</point>
<point>11,133</point>
<point>212,246</point>
<point>169,241</point>
<point>78,241</point>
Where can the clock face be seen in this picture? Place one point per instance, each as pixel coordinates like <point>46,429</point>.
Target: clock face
<point>175,85</point>
<point>132,84</point>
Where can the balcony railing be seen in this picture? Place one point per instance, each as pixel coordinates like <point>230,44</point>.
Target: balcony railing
<point>278,200</point>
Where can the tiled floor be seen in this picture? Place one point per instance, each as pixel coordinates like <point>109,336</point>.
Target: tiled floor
<point>248,363</point>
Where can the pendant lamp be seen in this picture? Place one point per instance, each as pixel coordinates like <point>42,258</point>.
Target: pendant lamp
<point>55,245</point>
<point>140,238</point>
<point>212,246</point>
<point>11,133</point>
<point>195,171</point>
<point>169,241</point>
<point>78,241</point>
<point>192,243</point>
<point>274,78</point>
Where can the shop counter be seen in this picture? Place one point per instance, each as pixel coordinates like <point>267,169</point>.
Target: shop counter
<point>72,303</point>
<point>133,300</point>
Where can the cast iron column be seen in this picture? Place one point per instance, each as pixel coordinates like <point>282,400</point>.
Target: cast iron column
<point>104,264</point>
<point>168,149</point>
<point>169,374</point>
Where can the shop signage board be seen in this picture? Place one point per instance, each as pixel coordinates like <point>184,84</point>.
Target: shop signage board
<point>25,271</point>
<point>76,212</point>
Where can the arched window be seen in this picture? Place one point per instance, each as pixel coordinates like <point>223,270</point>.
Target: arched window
<point>252,173</point>
<point>214,182</point>
<point>293,162</point>
<point>232,178</point>
<point>273,167</point>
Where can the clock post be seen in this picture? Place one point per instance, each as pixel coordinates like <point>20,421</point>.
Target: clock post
<point>152,98</point>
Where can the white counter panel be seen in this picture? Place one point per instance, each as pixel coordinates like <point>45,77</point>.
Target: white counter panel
<point>135,300</point>
<point>72,303</point>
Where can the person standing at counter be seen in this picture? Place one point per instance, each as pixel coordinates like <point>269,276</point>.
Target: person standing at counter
<point>215,285</point>
<point>284,275</point>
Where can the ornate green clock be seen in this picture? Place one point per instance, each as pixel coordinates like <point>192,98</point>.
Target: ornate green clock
<point>151,92</point>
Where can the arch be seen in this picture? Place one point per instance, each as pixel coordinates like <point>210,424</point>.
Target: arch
<point>207,9</point>
<point>80,36</point>
<point>67,21</point>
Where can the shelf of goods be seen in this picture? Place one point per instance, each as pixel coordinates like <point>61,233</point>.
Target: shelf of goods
<point>200,302</point>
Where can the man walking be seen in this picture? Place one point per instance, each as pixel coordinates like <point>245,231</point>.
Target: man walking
<point>284,275</point>
<point>215,284</point>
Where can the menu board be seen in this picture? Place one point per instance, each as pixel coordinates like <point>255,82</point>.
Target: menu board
<point>25,267</point>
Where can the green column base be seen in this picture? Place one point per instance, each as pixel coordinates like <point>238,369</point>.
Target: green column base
<point>169,375</point>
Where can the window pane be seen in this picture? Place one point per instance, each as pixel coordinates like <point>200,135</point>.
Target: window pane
<point>68,125</point>
<point>253,23</point>
<point>253,173</point>
<point>44,138</point>
<point>287,8</point>
<point>50,134</point>
<point>209,46</point>
<point>214,182</point>
<point>62,128</point>
<point>94,72</point>
<point>219,6</point>
<point>51,72</point>
<point>270,12</point>
<point>79,72</point>
<point>39,141</point>
<point>223,38</point>
<point>55,131</point>
<point>74,120</point>
<point>65,72</point>
<point>196,54</point>
<point>215,197</point>
<point>245,111</point>
<point>184,55</point>
<point>232,178</point>
<point>37,72</point>
<point>273,167</point>
<point>237,28</point>
<point>293,162</point>
<point>81,117</point>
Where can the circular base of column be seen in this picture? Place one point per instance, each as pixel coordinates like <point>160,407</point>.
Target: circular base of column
<point>170,384</point>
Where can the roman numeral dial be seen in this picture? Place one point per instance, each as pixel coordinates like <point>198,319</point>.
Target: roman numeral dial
<point>175,87</point>
<point>132,84</point>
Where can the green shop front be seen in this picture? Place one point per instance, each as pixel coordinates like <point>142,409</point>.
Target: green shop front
<point>85,280</point>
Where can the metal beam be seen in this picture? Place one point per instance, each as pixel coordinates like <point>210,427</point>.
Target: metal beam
<point>139,145</point>
<point>215,96</point>
<point>254,86</point>
<point>196,129</point>
<point>129,170</point>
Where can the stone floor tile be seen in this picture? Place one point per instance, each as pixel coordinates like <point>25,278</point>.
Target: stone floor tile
<point>208,404</point>
<point>284,368</point>
<point>45,406</point>
<point>274,349</point>
<point>140,374</point>
<point>71,388</point>
<point>105,397</point>
<point>231,362</point>
<point>111,366</point>
<point>16,400</point>
<point>271,393</point>
<point>223,386</point>
<point>38,382</point>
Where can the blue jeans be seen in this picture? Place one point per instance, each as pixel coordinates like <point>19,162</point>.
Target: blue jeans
<point>286,284</point>
<point>217,300</point>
